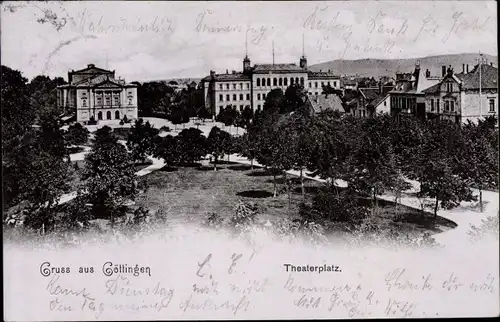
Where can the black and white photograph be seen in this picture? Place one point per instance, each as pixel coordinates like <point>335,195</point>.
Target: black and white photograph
<point>205,160</point>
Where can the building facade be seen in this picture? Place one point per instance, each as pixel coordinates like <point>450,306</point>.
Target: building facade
<point>407,97</point>
<point>464,96</point>
<point>251,86</point>
<point>95,93</point>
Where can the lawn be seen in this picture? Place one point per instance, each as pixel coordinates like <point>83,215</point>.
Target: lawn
<point>188,194</point>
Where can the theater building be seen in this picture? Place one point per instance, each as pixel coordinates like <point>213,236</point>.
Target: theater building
<point>95,93</point>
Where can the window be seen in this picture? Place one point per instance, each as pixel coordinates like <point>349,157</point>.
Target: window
<point>117,99</point>
<point>296,80</point>
<point>241,85</point>
<point>447,106</point>
<point>329,84</point>
<point>248,97</point>
<point>107,98</point>
<point>263,96</point>
<point>432,105</point>
<point>302,80</point>
<point>385,103</point>
<point>316,93</point>
<point>84,101</point>
<point>492,104</point>
<point>258,81</point>
<point>258,106</point>
<point>234,86</point>
<point>221,97</point>
<point>291,81</point>
<point>258,96</point>
<point>452,106</point>
<point>241,107</point>
<point>234,97</point>
<point>99,116</point>
<point>437,105</point>
<point>316,84</point>
<point>227,86</point>
<point>241,97</point>
<point>363,113</point>
<point>99,99</point>
<point>449,87</point>
<point>334,84</point>
<point>130,101</point>
<point>268,82</point>
<point>220,108</point>
<point>285,82</point>
<point>108,115</point>
<point>220,86</point>
<point>280,81</point>
<point>228,98</point>
<point>248,86</point>
<point>322,84</point>
<point>310,84</point>
<point>275,81</point>
<point>117,115</point>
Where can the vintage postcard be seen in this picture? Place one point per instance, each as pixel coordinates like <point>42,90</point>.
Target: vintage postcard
<point>190,160</point>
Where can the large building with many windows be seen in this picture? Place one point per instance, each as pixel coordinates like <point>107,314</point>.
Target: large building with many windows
<point>250,87</point>
<point>95,93</point>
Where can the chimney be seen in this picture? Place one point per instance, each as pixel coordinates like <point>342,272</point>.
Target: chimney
<point>443,71</point>
<point>449,71</point>
<point>212,74</point>
<point>234,72</point>
<point>491,63</point>
<point>466,68</point>
<point>227,71</point>
<point>427,73</point>
<point>463,68</point>
<point>90,66</point>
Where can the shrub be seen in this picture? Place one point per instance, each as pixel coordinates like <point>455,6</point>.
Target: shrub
<point>245,215</point>
<point>488,227</point>
<point>330,206</point>
<point>214,220</point>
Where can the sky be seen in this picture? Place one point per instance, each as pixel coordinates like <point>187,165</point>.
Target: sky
<point>148,40</point>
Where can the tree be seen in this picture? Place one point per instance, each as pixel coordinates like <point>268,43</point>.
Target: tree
<point>480,160</point>
<point>440,176</point>
<point>219,143</point>
<point>192,145</point>
<point>372,166</point>
<point>178,116</point>
<point>221,117</point>
<point>109,176</point>
<point>141,140</point>
<point>168,149</point>
<point>247,147</point>
<point>294,97</point>
<point>77,134</point>
<point>17,114</point>
<point>247,116</point>
<point>274,102</point>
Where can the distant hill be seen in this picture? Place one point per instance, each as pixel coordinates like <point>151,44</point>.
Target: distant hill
<point>388,67</point>
<point>180,81</point>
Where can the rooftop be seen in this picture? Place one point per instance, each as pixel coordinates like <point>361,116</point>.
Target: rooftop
<point>263,68</point>
<point>489,77</point>
<point>324,102</point>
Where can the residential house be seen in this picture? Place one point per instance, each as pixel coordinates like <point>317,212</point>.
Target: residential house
<point>464,96</point>
<point>407,97</point>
